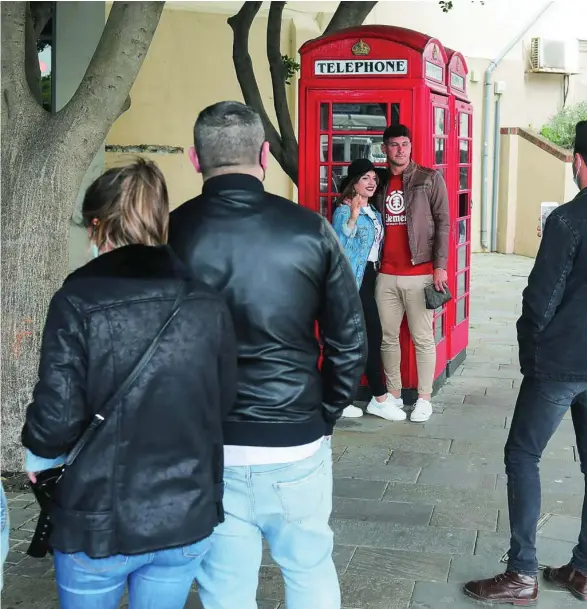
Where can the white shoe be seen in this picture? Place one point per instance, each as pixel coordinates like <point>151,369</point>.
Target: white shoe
<point>395,401</point>
<point>352,412</point>
<point>388,410</point>
<point>422,411</point>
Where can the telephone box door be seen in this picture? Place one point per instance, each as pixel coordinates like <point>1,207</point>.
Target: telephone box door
<point>461,228</point>
<point>344,126</point>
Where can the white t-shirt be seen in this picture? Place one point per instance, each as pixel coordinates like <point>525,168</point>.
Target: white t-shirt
<point>374,253</point>
<point>269,455</point>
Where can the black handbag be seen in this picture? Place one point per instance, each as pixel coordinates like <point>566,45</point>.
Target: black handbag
<point>434,298</point>
<point>45,486</point>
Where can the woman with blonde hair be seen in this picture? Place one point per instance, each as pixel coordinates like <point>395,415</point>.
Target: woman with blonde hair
<point>137,370</point>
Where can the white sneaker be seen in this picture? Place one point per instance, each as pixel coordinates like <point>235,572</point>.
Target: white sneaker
<point>422,411</point>
<point>352,412</point>
<point>388,410</point>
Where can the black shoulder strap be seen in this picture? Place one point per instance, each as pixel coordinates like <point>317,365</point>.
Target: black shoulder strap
<point>109,406</point>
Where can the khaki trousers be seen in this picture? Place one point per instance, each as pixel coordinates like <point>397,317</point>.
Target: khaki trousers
<point>395,296</point>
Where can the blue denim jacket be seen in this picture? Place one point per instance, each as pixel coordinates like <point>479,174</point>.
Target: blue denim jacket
<point>357,243</point>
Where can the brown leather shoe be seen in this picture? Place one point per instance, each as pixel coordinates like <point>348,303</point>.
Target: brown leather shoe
<point>567,577</point>
<point>508,587</point>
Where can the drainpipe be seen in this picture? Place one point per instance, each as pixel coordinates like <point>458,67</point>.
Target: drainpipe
<point>486,117</point>
<point>494,197</point>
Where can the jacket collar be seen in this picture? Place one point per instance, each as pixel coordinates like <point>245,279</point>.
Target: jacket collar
<point>232,181</point>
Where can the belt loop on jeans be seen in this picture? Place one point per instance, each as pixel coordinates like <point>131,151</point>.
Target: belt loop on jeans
<point>376,266</point>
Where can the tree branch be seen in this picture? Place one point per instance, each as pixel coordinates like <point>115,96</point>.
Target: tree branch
<point>245,73</point>
<point>41,12</point>
<point>112,71</point>
<point>15,90</point>
<point>348,14</point>
<point>278,78</point>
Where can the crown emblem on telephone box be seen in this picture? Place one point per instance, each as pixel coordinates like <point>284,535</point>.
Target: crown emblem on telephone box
<point>361,48</point>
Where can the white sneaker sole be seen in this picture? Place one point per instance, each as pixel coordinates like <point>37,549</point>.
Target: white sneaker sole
<point>357,415</point>
<point>420,418</point>
<point>376,412</point>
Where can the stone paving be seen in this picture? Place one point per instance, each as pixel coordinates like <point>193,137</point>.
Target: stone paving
<point>418,509</point>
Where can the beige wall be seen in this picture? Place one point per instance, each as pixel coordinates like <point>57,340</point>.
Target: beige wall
<point>530,176</point>
<point>188,67</point>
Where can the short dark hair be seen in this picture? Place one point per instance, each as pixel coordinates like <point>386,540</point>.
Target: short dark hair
<point>581,140</point>
<point>396,131</point>
<point>228,134</point>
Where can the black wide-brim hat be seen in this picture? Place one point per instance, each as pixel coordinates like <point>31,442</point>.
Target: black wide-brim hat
<point>357,168</point>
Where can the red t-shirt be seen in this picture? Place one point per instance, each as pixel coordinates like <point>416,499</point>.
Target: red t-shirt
<point>397,257</point>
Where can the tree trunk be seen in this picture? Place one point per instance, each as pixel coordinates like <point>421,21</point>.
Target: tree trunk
<point>44,160</point>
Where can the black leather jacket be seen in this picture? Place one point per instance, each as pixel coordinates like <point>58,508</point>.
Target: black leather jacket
<point>150,477</point>
<point>552,331</point>
<point>280,268</point>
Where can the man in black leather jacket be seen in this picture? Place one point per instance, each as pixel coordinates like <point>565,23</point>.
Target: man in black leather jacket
<point>281,269</point>
<point>552,336</point>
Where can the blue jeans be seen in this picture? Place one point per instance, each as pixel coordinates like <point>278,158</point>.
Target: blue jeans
<point>289,504</point>
<point>540,408</point>
<point>159,580</point>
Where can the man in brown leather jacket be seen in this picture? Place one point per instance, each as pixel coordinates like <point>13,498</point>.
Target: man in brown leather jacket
<point>414,204</point>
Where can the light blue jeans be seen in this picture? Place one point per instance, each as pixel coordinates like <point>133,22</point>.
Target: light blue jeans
<point>159,580</point>
<point>289,504</point>
<point>4,532</point>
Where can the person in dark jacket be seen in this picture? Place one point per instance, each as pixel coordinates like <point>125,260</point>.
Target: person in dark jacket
<point>144,495</point>
<point>552,334</point>
<point>281,268</point>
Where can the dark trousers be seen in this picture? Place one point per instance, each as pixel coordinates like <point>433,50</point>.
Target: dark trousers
<point>374,368</point>
<point>540,408</point>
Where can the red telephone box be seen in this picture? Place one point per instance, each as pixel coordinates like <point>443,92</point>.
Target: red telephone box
<point>354,84</point>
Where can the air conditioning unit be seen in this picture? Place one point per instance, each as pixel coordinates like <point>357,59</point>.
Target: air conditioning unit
<point>554,56</point>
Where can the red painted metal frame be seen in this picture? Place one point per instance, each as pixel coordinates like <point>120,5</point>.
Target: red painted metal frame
<point>419,97</point>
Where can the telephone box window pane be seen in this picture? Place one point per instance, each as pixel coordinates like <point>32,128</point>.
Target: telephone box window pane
<point>324,148</point>
<point>359,117</point>
<point>323,179</point>
<point>464,208</point>
<point>439,151</point>
<point>461,310</point>
<point>463,178</point>
<point>439,329</point>
<point>395,115</point>
<point>338,173</point>
<point>464,125</point>
<point>347,148</point>
<point>462,283</point>
<point>324,206</point>
<point>464,151</point>
<point>439,121</point>
<point>461,258</point>
<point>462,231</point>
<point>324,117</point>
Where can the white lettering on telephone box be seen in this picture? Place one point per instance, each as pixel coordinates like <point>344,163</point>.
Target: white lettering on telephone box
<point>361,67</point>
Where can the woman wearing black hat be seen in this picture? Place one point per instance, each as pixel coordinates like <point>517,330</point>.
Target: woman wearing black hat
<point>360,229</point>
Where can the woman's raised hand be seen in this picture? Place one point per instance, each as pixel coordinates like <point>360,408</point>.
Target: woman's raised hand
<point>356,205</point>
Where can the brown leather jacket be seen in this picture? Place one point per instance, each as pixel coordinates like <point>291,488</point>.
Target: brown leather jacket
<point>427,215</point>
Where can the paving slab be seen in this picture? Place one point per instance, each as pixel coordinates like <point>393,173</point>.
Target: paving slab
<point>386,473</point>
<point>434,540</point>
<point>410,514</point>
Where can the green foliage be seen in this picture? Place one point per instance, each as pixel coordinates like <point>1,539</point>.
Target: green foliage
<point>291,68</point>
<point>560,129</point>
<point>46,91</point>
<point>448,5</point>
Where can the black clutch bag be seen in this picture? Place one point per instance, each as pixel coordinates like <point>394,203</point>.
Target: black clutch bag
<point>434,298</point>
<point>44,490</point>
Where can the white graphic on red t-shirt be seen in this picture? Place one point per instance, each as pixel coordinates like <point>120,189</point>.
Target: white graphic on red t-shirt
<point>395,208</point>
